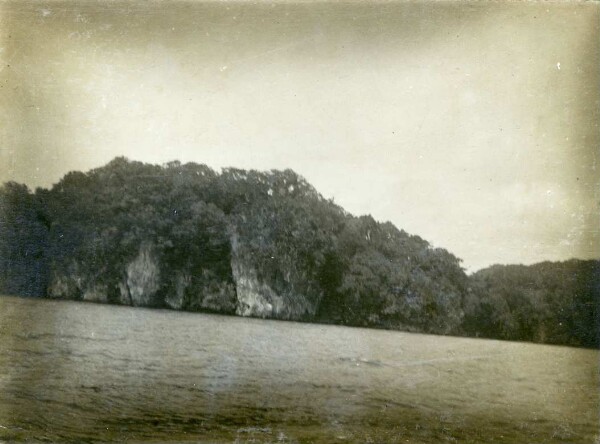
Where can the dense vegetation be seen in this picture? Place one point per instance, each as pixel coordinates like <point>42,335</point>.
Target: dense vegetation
<point>551,302</point>
<point>268,244</point>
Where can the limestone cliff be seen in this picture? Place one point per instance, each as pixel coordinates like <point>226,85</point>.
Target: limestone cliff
<point>138,285</point>
<point>73,283</point>
<point>254,298</point>
<point>175,299</point>
<point>143,277</point>
<point>96,293</point>
<point>257,297</point>
<point>267,244</point>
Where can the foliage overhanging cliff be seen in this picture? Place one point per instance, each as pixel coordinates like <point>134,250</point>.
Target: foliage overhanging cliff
<point>268,244</point>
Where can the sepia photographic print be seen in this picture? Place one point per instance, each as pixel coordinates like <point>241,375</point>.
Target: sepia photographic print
<point>284,221</point>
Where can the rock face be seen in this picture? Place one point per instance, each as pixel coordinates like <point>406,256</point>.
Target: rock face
<point>176,299</point>
<point>218,298</point>
<point>73,283</point>
<point>254,298</point>
<point>258,297</point>
<point>63,286</point>
<point>67,283</point>
<point>124,298</point>
<point>96,293</point>
<point>143,277</point>
<point>147,281</point>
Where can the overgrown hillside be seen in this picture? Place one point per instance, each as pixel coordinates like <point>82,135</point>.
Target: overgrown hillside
<point>552,302</point>
<point>264,244</point>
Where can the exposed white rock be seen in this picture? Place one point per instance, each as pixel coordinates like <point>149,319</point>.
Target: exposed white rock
<point>175,299</point>
<point>124,296</point>
<point>254,298</point>
<point>65,285</point>
<point>143,276</point>
<point>96,293</point>
<point>221,300</point>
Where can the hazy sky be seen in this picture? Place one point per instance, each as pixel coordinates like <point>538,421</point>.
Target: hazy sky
<point>472,125</point>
